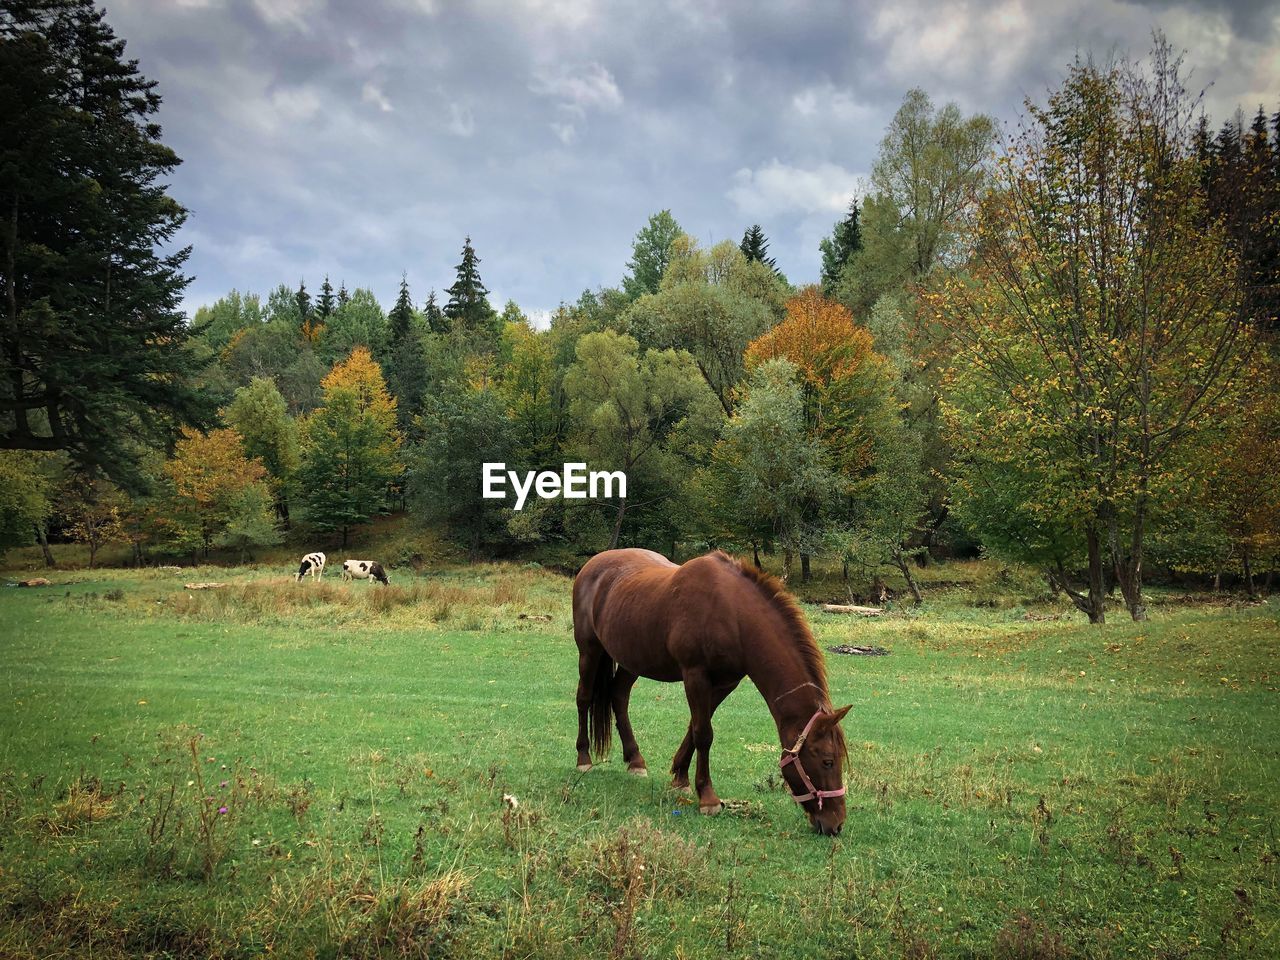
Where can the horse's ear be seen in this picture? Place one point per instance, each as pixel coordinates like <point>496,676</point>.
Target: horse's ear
<point>839,714</point>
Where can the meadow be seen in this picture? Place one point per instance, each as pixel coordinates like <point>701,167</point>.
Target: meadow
<point>319,770</point>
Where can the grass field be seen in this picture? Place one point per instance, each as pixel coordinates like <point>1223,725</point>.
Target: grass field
<point>1021,784</point>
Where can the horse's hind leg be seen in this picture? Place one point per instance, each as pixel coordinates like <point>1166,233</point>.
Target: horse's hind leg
<point>622,683</point>
<point>589,654</point>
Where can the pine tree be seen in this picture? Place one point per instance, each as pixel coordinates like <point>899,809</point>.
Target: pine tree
<point>400,319</point>
<point>839,248</point>
<point>1239,171</point>
<point>755,246</point>
<point>343,297</point>
<point>304,301</point>
<point>468,308</point>
<point>93,335</point>
<point>327,302</point>
<point>406,360</point>
<point>437,322</point>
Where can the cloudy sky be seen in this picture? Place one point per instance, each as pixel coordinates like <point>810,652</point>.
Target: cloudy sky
<point>364,140</point>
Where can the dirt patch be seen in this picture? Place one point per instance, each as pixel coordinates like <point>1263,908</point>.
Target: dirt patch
<point>850,649</point>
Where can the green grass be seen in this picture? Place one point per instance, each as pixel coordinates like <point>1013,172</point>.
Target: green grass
<point>1018,787</point>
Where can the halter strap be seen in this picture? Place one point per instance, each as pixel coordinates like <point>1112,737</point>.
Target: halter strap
<point>793,756</point>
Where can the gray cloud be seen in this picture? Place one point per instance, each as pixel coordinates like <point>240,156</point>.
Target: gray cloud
<point>363,140</point>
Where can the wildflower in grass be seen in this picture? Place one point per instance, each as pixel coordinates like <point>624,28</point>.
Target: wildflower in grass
<point>222,785</point>
<point>222,809</point>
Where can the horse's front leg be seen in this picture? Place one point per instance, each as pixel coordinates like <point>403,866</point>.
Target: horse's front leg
<point>698,691</point>
<point>684,753</point>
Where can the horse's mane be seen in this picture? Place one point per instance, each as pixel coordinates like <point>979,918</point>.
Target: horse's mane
<point>775,592</point>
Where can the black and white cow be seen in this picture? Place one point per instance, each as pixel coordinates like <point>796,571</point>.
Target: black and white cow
<point>364,570</point>
<point>313,564</point>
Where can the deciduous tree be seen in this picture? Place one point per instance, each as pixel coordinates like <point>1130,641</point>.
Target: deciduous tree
<point>350,448</point>
<point>1099,335</point>
<point>626,408</point>
<point>260,415</point>
<point>650,253</point>
<point>208,476</point>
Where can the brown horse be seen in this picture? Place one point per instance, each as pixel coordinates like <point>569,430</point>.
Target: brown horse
<point>708,623</point>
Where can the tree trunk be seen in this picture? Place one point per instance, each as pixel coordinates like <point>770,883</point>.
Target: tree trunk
<point>1097,579</point>
<point>1248,576</point>
<point>1094,603</point>
<point>804,568</point>
<point>901,562</point>
<point>617,524</point>
<point>44,545</point>
<point>786,562</point>
<point>1128,564</point>
<point>1217,580</point>
<point>755,554</point>
<point>1128,572</point>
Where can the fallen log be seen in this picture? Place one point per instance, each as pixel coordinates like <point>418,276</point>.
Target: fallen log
<point>852,608</point>
<point>204,586</point>
<point>35,582</point>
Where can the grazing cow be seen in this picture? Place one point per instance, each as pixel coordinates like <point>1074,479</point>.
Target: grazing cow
<point>313,564</point>
<point>365,570</point>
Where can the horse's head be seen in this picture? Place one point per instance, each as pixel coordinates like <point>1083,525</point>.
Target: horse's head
<point>814,771</point>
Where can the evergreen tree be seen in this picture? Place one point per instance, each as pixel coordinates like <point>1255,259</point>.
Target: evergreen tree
<point>327,302</point>
<point>755,247</point>
<point>94,340</point>
<point>303,299</point>
<point>437,322</point>
<point>837,249</point>
<point>1241,178</point>
<point>400,319</point>
<point>343,297</point>
<point>468,308</point>
<point>464,429</point>
<point>406,360</point>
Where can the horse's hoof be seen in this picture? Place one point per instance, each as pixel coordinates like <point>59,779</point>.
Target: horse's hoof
<point>584,767</point>
<point>638,771</point>
<point>683,788</point>
<point>711,810</point>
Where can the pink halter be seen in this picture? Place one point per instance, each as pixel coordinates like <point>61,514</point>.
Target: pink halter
<point>793,756</point>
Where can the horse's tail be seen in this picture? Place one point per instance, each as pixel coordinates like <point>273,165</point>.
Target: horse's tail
<point>600,717</point>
